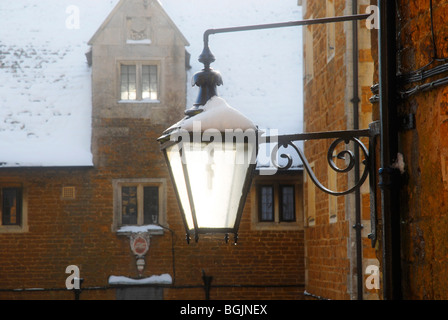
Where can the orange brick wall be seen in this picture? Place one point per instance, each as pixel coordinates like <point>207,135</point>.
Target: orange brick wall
<point>327,107</point>
<point>425,149</point>
<point>264,264</point>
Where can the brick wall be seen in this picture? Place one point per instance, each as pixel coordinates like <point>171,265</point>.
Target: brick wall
<point>329,239</point>
<point>264,264</point>
<point>425,150</point>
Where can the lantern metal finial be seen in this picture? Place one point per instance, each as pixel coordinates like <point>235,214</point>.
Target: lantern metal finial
<point>207,80</point>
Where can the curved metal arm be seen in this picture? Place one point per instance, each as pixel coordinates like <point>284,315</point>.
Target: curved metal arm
<point>345,154</point>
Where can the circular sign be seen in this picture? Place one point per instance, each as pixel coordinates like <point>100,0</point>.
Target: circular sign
<point>140,245</point>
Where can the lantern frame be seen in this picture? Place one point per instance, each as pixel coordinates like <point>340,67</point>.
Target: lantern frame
<point>171,140</point>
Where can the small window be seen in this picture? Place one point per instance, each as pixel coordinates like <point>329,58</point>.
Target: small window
<point>277,202</point>
<point>287,203</point>
<point>11,206</point>
<point>266,205</point>
<point>139,82</point>
<point>140,205</point>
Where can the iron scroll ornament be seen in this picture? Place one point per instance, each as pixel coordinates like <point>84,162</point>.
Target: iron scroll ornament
<point>347,155</point>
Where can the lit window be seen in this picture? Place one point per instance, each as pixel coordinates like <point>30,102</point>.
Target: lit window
<point>139,82</point>
<point>128,83</point>
<point>149,82</point>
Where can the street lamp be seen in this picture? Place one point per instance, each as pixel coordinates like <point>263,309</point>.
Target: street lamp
<point>211,156</point>
<point>211,153</point>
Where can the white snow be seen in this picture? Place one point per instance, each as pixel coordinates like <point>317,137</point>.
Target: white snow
<point>45,85</point>
<point>138,229</point>
<point>218,115</point>
<point>155,279</point>
<point>45,82</point>
<point>144,41</point>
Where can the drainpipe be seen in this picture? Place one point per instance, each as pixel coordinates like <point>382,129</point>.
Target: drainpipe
<point>390,213</point>
<point>358,226</point>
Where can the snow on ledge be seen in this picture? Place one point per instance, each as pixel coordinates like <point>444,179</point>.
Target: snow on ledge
<point>138,229</point>
<point>138,101</point>
<point>142,41</point>
<point>155,279</point>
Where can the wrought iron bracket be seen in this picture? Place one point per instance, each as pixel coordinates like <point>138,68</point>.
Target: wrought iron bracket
<point>366,158</point>
<point>207,79</point>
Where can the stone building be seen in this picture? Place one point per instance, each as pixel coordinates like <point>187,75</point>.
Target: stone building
<point>338,73</point>
<point>108,210</point>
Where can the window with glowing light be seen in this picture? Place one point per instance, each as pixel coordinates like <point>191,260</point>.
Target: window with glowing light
<point>139,82</point>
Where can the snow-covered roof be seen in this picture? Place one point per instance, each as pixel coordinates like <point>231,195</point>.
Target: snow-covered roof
<point>45,85</point>
<point>45,81</point>
<point>118,7</point>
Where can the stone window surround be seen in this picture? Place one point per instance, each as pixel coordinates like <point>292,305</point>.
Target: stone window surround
<point>278,225</point>
<point>139,63</point>
<point>118,183</point>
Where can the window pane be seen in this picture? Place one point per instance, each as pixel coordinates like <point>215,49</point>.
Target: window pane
<point>128,82</point>
<point>11,206</point>
<point>149,82</point>
<point>287,204</point>
<point>151,205</point>
<point>129,205</point>
<point>266,203</point>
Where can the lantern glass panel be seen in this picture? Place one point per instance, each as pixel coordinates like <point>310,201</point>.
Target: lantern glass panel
<point>217,173</point>
<point>175,160</point>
